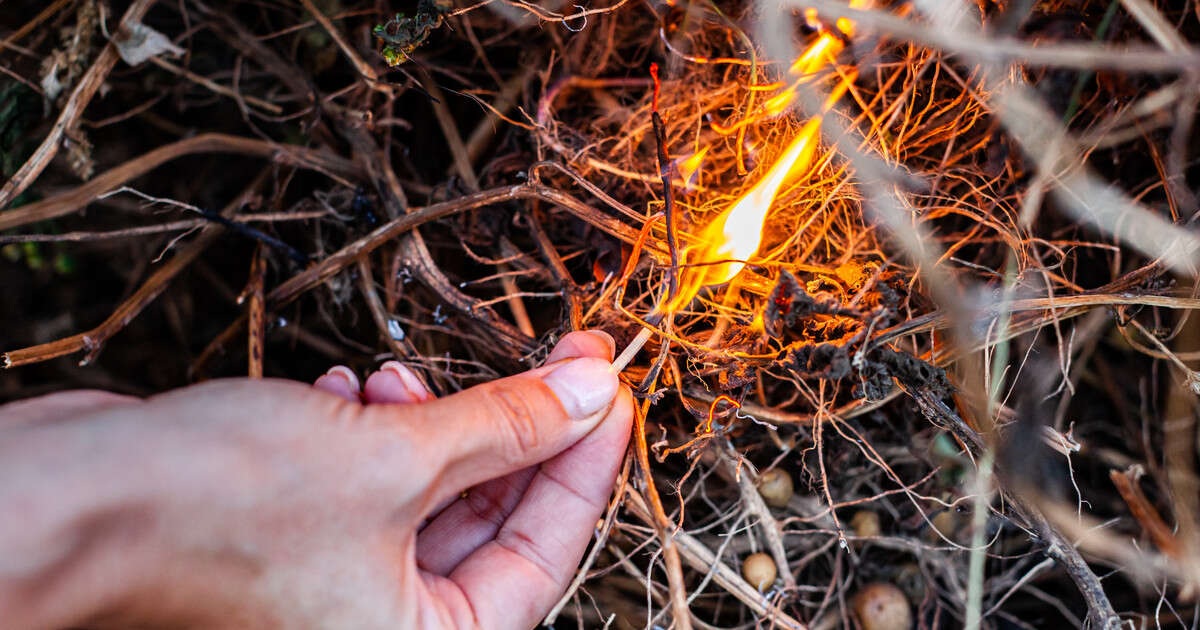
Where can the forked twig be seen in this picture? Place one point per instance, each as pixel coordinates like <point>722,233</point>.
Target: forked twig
<point>77,198</point>
<point>92,341</point>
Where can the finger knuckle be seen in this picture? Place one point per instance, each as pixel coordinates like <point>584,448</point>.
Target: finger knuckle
<point>512,412</point>
<point>487,506</point>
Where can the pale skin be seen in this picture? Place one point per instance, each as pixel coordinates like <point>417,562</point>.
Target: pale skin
<point>255,504</point>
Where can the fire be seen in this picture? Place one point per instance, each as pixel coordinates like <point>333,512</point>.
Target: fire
<point>689,168</point>
<point>734,236</point>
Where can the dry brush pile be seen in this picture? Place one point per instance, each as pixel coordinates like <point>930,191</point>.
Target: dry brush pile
<point>953,386</point>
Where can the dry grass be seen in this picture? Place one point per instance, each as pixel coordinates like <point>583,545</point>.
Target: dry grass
<point>965,314</point>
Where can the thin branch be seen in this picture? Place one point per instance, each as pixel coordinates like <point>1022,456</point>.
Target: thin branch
<point>80,196</point>
<point>71,111</point>
<point>93,340</point>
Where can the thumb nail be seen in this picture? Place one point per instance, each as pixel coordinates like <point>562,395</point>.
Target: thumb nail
<point>583,386</point>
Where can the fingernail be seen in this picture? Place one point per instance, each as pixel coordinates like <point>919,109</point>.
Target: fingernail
<point>608,339</point>
<point>347,374</point>
<point>577,344</point>
<point>583,386</point>
<point>408,378</point>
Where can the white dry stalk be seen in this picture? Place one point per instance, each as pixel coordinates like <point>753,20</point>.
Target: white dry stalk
<point>1156,25</point>
<point>975,572</point>
<point>1084,195</point>
<point>985,49</point>
<point>1042,137</point>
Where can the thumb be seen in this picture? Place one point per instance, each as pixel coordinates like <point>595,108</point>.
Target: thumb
<point>500,427</point>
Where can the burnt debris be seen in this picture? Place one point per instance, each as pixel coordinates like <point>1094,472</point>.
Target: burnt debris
<point>825,334</point>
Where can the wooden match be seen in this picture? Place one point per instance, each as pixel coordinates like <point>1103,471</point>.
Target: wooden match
<point>626,355</point>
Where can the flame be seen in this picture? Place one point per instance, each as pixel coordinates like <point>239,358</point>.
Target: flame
<point>689,168</point>
<point>734,236</point>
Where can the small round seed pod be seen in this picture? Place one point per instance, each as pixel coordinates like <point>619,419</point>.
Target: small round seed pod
<point>775,486</point>
<point>865,524</point>
<point>882,606</point>
<point>945,523</point>
<point>759,570</point>
<point>910,580</point>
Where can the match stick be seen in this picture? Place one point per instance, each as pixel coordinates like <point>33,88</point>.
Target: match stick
<point>627,354</point>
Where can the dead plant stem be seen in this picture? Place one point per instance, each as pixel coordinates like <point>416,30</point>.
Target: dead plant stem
<point>662,523</point>
<point>256,312</point>
<point>71,111</point>
<point>79,197</point>
<point>93,340</point>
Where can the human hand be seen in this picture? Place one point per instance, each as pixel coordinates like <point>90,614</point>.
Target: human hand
<point>268,503</point>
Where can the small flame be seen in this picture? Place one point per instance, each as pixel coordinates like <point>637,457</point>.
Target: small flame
<point>689,168</point>
<point>734,236</point>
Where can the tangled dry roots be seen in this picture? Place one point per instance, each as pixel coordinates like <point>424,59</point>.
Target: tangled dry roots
<point>963,338</point>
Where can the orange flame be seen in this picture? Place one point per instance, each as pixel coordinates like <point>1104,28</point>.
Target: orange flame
<point>734,236</point>
<point>689,168</point>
